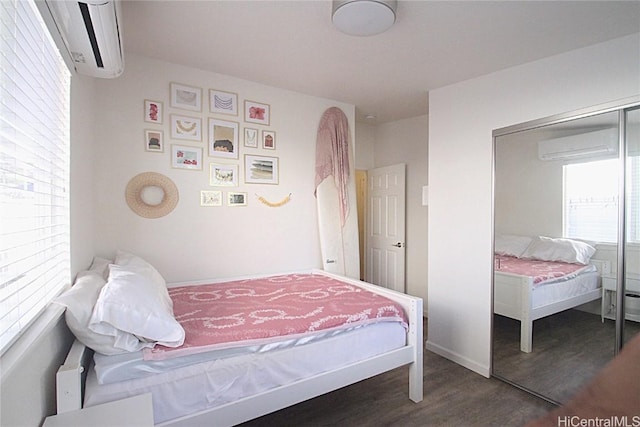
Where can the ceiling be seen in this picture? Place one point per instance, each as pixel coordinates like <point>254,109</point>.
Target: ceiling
<point>293,44</point>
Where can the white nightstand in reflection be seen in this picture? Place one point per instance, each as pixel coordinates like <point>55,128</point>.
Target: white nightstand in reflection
<point>608,307</point>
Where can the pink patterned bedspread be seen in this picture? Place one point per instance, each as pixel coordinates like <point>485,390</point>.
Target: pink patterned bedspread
<point>541,271</point>
<point>259,311</point>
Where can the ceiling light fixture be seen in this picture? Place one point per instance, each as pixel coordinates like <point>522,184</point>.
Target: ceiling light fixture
<point>364,17</point>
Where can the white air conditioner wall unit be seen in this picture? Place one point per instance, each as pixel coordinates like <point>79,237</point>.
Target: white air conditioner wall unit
<point>599,143</point>
<point>88,34</point>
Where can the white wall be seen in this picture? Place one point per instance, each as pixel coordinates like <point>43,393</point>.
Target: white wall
<point>83,165</point>
<point>462,117</point>
<point>406,141</point>
<point>365,145</point>
<point>528,191</point>
<point>195,242</point>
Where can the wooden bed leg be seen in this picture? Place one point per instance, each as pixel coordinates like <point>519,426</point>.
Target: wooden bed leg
<point>526,336</point>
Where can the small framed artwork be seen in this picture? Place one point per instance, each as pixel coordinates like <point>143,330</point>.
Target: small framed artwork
<point>223,175</point>
<point>223,139</point>
<point>260,169</point>
<point>210,198</point>
<point>251,137</point>
<point>185,157</point>
<point>223,102</point>
<point>236,199</point>
<point>268,140</point>
<point>185,127</point>
<point>256,112</point>
<point>186,97</point>
<point>153,140</point>
<point>153,111</point>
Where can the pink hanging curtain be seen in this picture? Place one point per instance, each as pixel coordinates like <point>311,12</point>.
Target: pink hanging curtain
<point>332,154</point>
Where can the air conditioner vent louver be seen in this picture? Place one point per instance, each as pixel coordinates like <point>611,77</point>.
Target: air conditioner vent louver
<point>87,34</point>
<point>88,24</point>
<point>599,143</point>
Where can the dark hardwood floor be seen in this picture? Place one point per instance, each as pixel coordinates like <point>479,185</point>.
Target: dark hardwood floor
<point>453,396</point>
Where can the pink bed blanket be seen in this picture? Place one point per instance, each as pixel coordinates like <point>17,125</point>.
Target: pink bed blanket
<point>541,271</point>
<point>259,311</point>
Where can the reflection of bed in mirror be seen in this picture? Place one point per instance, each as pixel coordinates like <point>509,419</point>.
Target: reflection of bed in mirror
<point>530,284</point>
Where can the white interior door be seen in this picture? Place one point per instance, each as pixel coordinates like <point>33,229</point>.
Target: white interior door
<point>386,227</point>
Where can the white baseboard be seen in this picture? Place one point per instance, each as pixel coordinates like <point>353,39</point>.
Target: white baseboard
<point>485,371</point>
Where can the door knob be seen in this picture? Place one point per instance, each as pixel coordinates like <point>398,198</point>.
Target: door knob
<point>399,245</point>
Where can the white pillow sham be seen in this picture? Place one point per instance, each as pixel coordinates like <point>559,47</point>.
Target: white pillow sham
<point>511,245</point>
<point>99,266</point>
<point>79,302</point>
<point>135,304</point>
<point>564,250</point>
<point>128,259</point>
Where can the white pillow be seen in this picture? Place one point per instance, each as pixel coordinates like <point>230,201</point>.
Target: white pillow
<point>511,245</point>
<point>101,266</point>
<point>135,301</point>
<point>129,259</point>
<point>79,301</point>
<point>565,250</point>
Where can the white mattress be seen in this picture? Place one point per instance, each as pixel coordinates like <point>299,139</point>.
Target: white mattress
<point>207,384</point>
<point>128,366</point>
<point>558,291</point>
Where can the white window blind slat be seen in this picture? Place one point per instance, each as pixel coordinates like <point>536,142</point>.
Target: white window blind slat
<point>591,200</point>
<point>34,169</point>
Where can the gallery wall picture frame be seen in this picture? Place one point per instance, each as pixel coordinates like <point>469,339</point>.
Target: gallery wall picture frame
<point>186,127</point>
<point>257,112</point>
<point>268,140</point>
<point>260,169</point>
<point>223,175</point>
<point>154,140</point>
<point>223,138</point>
<point>186,97</point>
<point>186,157</point>
<point>251,137</point>
<point>236,199</point>
<point>223,102</point>
<point>210,198</point>
<point>153,111</point>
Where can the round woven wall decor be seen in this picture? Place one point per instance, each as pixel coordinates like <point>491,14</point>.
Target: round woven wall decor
<point>136,186</point>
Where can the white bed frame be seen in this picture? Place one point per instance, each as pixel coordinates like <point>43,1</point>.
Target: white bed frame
<point>70,378</point>
<point>513,298</point>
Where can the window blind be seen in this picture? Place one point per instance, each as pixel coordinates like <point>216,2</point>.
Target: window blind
<point>633,198</point>
<point>34,169</point>
<point>591,200</point>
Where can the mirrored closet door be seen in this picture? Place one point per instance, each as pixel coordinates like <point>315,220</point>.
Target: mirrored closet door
<point>566,222</point>
<point>632,224</point>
